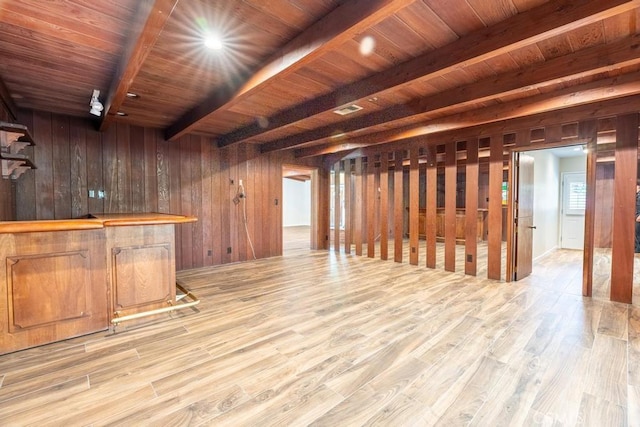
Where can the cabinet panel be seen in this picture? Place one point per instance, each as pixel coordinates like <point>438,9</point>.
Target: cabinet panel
<point>53,287</point>
<point>142,269</point>
<point>141,276</point>
<point>48,288</point>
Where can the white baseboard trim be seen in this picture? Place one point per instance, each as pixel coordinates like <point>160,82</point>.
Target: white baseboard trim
<point>553,249</point>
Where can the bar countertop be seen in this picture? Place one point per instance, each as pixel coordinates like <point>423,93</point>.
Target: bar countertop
<point>93,221</point>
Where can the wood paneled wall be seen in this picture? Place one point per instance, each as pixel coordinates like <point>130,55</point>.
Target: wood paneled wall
<point>7,202</point>
<point>139,171</point>
<point>603,214</point>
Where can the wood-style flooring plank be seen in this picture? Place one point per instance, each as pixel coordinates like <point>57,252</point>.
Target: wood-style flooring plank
<point>334,339</point>
<point>607,375</point>
<point>595,411</point>
<point>475,393</point>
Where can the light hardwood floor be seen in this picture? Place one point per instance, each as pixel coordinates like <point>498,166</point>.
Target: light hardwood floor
<point>326,339</point>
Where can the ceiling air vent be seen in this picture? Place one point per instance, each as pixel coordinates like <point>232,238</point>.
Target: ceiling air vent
<point>348,109</point>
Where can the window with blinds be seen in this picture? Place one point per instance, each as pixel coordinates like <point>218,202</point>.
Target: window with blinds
<point>577,198</point>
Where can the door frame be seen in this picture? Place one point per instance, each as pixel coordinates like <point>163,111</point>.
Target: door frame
<point>587,267</point>
<point>315,242</point>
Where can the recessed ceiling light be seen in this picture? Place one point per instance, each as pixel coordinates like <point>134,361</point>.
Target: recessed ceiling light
<point>213,42</point>
<point>132,95</point>
<point>121,114</point>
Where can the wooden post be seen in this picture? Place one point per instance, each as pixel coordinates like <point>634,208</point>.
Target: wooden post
<point>357,211</point>
<point>450,177</point>
<point>624,208</point>
<point>588,131</point>
<point>337,208</point>
<point>384,206</point>
<point>431,205</point>
<point>398,207</point>
<point>494,255</point>
<point>372,191</point>
<point>471,208</point>
<point>414,205</point>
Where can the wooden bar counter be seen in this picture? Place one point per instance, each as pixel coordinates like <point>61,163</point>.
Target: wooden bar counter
<point>64,278</point>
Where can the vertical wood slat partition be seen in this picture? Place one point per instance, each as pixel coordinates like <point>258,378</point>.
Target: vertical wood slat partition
<point>431,205</point>
<point>337,208</point>
<point>494,251</point>
<point>622,250</point>
<point>471,207</point>
<point>320,224</point>
<point>398,215</point>
<point>414,205</point>
<point>588,131</point>
<point>384,206</point>
<point>450,173</point>
<point>357,210</point>
<point>348,197</point>
<point>371,207</point>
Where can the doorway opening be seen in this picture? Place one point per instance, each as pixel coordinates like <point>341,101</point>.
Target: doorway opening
<point>548,209</point>
<point>297,218</point>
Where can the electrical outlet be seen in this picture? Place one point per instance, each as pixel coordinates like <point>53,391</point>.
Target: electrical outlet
<point>92,194</point>
<point>229,250</point>
<point>469,258</point>
<point>101,194</point>
<point>209,252</point>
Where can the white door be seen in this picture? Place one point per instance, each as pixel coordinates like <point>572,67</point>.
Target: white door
<point>574,192</point>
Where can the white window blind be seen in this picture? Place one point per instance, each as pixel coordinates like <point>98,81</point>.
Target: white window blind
<point>577,199</point>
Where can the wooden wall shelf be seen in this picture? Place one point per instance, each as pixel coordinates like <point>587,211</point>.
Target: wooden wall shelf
<point>13,140</point>
<point>14,165</point>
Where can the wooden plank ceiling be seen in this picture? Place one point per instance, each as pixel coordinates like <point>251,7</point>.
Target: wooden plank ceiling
<point>416,67</point>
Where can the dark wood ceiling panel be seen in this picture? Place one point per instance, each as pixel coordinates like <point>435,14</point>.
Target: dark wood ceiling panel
<point>473,72</point>
<point>555,47</point>
<point>288,64</point>
<point>296,16</point>
<point>313,8</point>
<point>457,14</point>
<point>493,12</point>
<point>587,36</point>
<point>72,21</point>
<point>527,56</point>
<point>622,25</point>
<point>421,19</point>
<point>346,66</point>
<point>401,38</point>
<point>502,63</point>
<point>524,5</point>
<point>55,53</point>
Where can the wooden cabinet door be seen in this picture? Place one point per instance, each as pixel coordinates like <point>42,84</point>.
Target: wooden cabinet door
<point>54,286</point>
<point>142,268</point>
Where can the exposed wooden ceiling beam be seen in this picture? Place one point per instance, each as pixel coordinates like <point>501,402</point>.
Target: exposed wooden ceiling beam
<point>542,22</point>
<point>622,86</point>
<point>152,16</point>
<point>594,60</point>
<point>339,26</point>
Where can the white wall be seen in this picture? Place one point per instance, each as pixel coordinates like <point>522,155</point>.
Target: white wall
<point>296,202</point>
<point>573,164</point>
<point>546,201</point>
